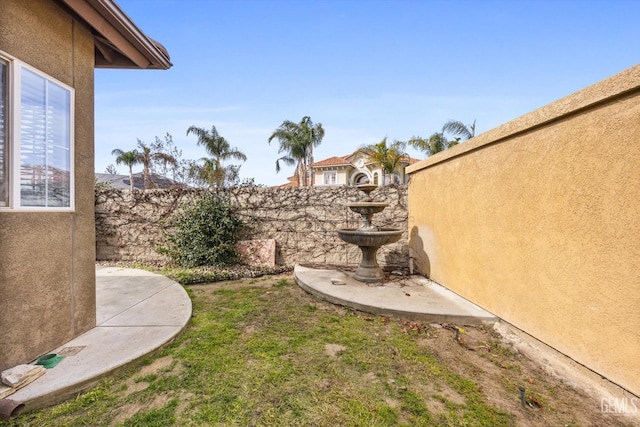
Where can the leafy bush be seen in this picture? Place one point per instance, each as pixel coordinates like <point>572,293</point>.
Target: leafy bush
<point>205,234</point>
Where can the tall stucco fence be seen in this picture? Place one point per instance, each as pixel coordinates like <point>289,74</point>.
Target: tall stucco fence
<point>538,221</point>
<point>302,221</point>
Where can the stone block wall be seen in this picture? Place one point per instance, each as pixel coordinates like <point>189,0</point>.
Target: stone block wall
<point>302,221</point>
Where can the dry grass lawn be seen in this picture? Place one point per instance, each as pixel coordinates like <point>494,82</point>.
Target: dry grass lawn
<point>262,352</point>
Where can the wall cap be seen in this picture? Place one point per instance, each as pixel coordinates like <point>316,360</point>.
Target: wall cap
<point>606,90</point>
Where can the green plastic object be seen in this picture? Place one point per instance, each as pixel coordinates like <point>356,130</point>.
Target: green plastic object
<point>48,361</point>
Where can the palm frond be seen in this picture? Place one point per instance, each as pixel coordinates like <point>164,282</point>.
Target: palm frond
<point>235,154</point>
<point>457,128</point>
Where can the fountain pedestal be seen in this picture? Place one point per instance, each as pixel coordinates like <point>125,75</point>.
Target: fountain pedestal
<point>369,238</point>
<point>369,241</point>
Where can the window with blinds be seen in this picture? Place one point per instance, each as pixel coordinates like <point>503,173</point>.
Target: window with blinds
<point>36,139</point>
<point>44,142</point>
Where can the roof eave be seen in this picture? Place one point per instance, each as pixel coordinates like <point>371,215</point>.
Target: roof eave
<point>119,42</point>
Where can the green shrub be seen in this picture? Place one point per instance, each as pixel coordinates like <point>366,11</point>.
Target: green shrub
<point>205,234</point>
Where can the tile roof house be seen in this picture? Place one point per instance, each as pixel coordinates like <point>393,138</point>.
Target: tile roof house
<point>48,52</point>
<point>356,168</point>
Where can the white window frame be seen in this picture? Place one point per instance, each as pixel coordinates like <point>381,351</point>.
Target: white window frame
<point>4,133</point>
<point>326,177</point>
<point>12,155</point>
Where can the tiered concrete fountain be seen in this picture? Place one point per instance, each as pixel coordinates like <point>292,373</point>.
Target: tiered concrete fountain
<point>367,237</point>
<point>429,301</point>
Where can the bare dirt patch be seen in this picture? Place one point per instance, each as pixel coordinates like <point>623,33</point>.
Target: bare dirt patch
<point>126,412</point>
<point>134,387</point>
<point>481,354</point>
<point>332,350</point>
<point>137,383</point>
<point>132,409</point>
<point>156,366</point>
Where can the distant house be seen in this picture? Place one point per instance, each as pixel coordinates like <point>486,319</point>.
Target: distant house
<point>357,168</point>
<point>123,182</point>
<point>48,52</point>
<point>292,181</point>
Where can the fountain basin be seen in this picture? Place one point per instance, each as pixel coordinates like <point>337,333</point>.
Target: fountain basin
<point>369,241</point>
<point>366,211</point>
<point>370,238</point>
<point>367,208</point>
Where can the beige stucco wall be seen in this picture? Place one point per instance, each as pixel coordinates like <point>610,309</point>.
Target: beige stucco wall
<point>538,221</point>
<point>47,274</point>
<point>343,177</point>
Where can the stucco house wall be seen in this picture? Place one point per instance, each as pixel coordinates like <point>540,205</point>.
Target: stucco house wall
<point>47,254</point>
<point>538,221</point>
<point>47,274</point>
<point>343,178</point>
<point>353,168</point>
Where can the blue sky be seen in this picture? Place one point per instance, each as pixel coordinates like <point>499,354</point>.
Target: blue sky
<point>365,69</point>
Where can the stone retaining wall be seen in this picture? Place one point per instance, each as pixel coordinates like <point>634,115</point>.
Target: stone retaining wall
<point>302,221</point>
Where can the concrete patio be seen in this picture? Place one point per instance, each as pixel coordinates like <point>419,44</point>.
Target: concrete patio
<point>137,312</point>
<point>408,297</point>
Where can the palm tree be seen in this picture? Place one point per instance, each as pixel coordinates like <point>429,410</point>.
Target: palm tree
<point>129,158</point>
<point>212,172</point>
<point>388,157</point>
<point>434,144</point>
<point>459,130</point>
<point>439,142</point>
<point>146,157</point>
<point>297,141</point>
<point>208,175</point>
<point>203,175</point>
